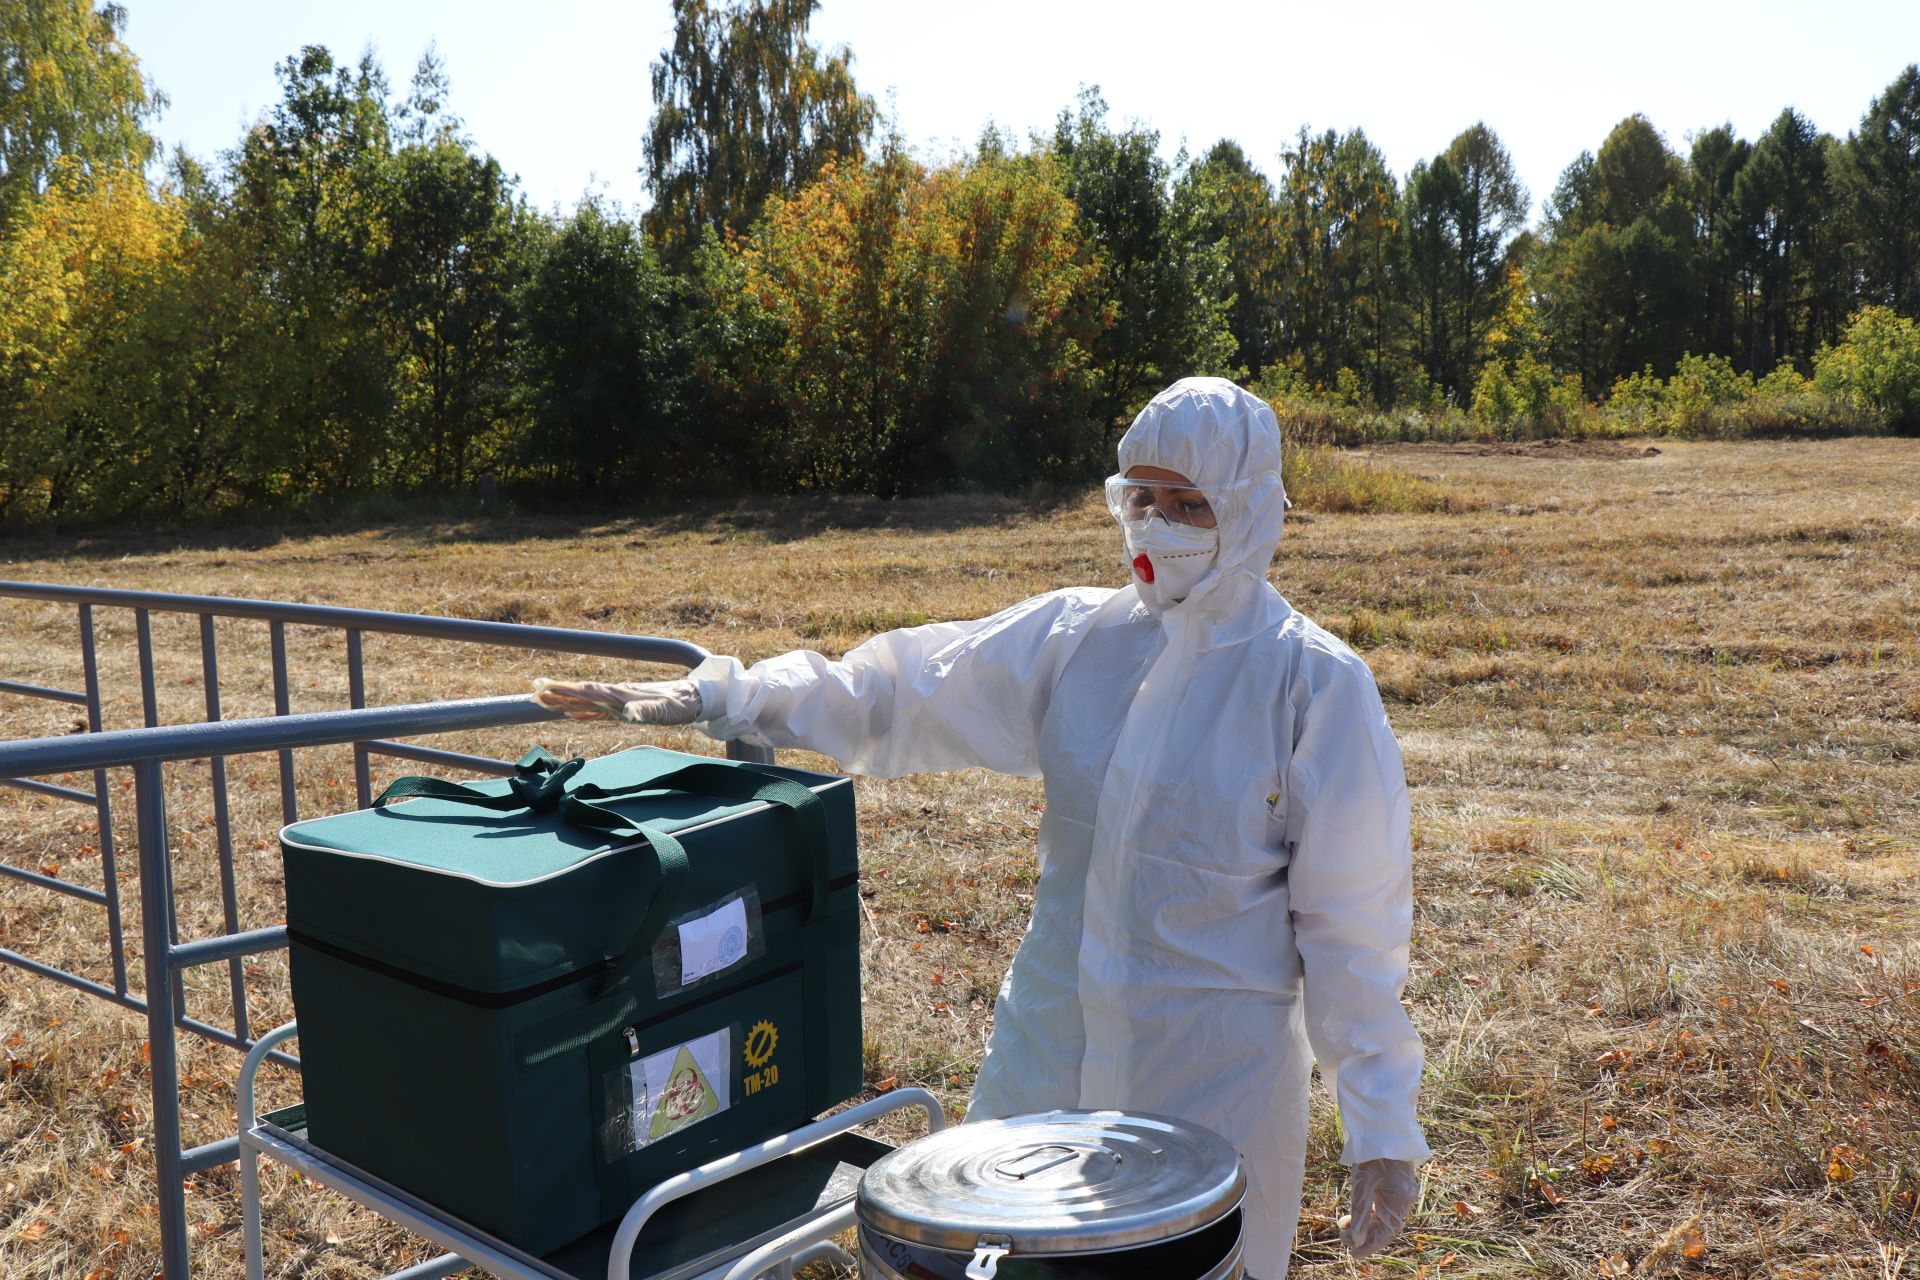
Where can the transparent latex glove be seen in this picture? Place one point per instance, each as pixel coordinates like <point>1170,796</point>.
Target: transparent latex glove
<point>1383,1194</point>
<point>662,702</point>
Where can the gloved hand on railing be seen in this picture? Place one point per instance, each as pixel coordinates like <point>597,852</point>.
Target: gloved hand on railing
<point>660,702</point>
<point>1383,1194</point>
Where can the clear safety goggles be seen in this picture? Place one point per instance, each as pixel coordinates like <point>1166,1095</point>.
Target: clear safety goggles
<point>1202,506</point>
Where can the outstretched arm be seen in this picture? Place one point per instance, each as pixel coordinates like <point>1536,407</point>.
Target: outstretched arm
<point>950,695</point>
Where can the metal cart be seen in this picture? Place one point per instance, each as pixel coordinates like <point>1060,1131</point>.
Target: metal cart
<point>758,1212</point>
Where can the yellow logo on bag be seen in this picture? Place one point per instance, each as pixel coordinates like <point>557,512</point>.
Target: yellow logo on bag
<point>761,1041</point>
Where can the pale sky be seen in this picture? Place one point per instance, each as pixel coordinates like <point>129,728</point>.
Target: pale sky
<point>558,91</point>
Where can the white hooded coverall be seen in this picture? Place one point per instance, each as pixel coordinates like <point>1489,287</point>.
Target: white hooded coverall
<point>1224,860</point>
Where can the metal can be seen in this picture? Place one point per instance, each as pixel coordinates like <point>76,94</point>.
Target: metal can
<point>1061,1195</point>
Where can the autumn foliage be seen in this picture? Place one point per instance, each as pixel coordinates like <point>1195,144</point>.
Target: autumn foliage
<point>355,310</point>
<point>927,328</point>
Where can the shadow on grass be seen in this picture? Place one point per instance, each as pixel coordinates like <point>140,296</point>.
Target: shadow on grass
<point>768,518</point>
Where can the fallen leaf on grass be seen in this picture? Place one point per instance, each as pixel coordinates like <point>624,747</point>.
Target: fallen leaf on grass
<point>35,1230</point>
<point>1685,1239</point>
<point>1842,1163</point>
<point>1461,1209</point>
<point>886,1086</point>
<point>1881,1049</point>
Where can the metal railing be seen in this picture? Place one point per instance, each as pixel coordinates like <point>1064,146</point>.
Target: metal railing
<point>147,749</point>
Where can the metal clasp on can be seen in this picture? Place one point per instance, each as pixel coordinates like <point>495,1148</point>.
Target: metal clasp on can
<point>987,1252</point>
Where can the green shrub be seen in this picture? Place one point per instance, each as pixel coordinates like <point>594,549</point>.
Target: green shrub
<point>1523,398</point>
<point>1282,383</point>
<point>1637,401</point>
<point>1348,389</point>
<point>1784,383</point>
<point>1702,392</point>
<point>1875,367</point>
<point>1495,399</point>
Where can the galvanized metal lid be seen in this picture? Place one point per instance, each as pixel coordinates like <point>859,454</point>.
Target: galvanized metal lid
<point>1056,1182</point>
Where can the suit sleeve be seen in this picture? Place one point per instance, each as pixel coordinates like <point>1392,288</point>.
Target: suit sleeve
<point>950,695</point>
<point>1351,890</point>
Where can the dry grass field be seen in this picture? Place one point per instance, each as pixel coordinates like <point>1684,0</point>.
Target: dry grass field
<point>1661,716</point>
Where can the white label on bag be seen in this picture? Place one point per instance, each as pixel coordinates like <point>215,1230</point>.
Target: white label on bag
<point>713,941</point>
<point>680,1086</point>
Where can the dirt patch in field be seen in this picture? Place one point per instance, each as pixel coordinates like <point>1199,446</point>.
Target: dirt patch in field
<point>1602,450</point>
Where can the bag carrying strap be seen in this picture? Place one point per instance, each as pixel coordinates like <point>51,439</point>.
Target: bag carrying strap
<point>745,783</point>
<point>540,785</point>
<point>540,782</point>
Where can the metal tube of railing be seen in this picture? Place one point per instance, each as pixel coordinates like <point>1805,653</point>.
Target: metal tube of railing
<point>103,806</point>
<point>156,897</point>
<point>147,749</point>
<point>282,706</point>
<point>54,883</point>
<point>149,695</point>
<point>55,790</point>
<point>680,653</point>
<point>357,697</point>
<point>434,755</point>
<point>65,979</point>
<point>223,825</point>
<point>41,691</point>
<point>118,747</point>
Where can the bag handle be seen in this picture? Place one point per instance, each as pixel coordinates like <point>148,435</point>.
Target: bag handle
<point>540,784</point>
<point>738,782</point>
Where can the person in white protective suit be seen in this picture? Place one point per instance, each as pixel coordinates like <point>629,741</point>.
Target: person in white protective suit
<point>1225,885</point>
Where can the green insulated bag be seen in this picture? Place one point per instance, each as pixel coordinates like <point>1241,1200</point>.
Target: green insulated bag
<point>528,1000</point>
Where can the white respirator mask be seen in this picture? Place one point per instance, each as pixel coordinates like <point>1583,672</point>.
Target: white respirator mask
<point>1169,559</point>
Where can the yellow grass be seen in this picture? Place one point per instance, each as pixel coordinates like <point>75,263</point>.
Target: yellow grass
<point>1661,716</point>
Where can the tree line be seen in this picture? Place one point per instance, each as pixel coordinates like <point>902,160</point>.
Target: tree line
<point>356,300</point>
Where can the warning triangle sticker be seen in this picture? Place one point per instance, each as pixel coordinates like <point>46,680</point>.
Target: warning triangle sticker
<point>687,1098</point>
